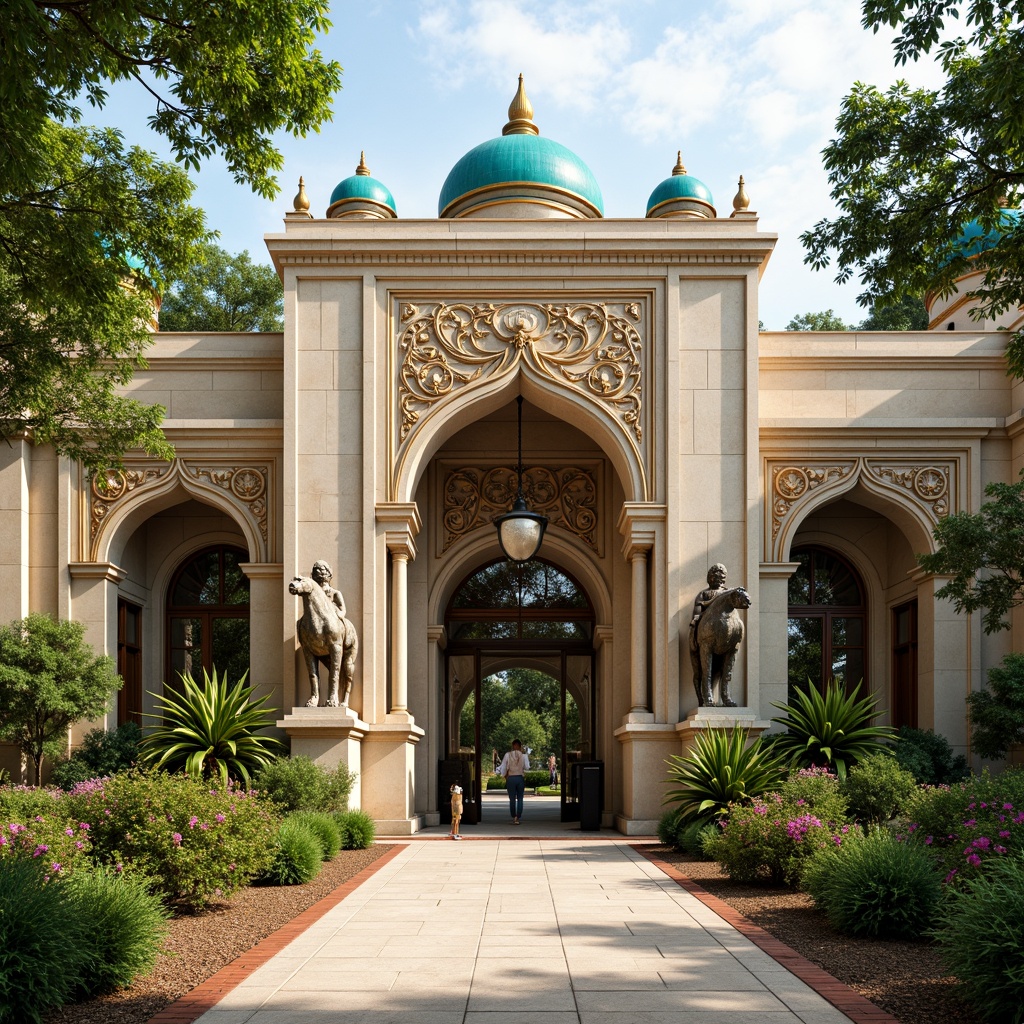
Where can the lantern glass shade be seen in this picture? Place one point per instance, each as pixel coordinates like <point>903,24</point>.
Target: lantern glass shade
<point>520,531</point>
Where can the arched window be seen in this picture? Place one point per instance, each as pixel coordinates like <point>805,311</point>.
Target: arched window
<point>519,601</point>
<point>827,621</point>
<point>208,616</point>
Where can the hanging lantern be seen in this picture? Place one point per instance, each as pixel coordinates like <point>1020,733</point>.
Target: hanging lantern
<point>520,531</point>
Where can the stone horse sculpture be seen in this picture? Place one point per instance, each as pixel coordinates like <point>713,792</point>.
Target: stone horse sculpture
<point>325,635</point>
<point>713,642</point>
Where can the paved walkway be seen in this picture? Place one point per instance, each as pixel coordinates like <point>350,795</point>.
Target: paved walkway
<point>555,931</point>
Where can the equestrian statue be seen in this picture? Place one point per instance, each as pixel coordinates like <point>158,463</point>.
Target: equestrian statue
<point>325,634</point>
<point>716,631</point>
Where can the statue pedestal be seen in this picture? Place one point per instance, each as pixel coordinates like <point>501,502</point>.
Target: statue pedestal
<point>328,736</point>
<point>718,718</point>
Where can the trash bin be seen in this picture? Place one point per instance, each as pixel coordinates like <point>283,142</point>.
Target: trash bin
<point>591,793</point>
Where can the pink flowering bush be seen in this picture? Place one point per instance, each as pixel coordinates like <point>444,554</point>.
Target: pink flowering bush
<point>56,844</point>
<point>773,839</point>
<point>969,826</point>
<point>196,840</point>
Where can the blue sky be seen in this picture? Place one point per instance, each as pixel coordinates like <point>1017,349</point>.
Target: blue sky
<point>746,87</point>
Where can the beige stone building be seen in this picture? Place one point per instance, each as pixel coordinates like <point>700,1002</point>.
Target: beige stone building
<point>661,433</point>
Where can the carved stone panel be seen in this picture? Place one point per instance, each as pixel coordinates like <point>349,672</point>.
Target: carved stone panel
<point>792,483</point>
<point>570,496</point>
<point>594,349</point>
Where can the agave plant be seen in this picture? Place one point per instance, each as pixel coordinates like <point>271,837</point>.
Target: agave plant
<point>831,729</point>
<point>720,770</point>
<point>211,729</point>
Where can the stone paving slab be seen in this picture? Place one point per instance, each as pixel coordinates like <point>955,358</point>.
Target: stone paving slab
<point>556,931</point>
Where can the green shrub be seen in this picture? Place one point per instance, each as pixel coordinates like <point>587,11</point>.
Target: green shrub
<point>875,887</point>
<point>692,837</point>
<point>997,712</point>
<point>55,844</point>
<point>720,770</point>
<point>534,779</point>
<point>297,855</point>
<point>929,757</point>
<point>981,934</point>
<point>20,803</point>
<point>495,782</point>
<point>195,840</point>
<point>324,827</point>
<point>970,825</point>
<point>877,788</point>
<point>211,729</point>
<point>831,729</point>
<point>771,840</point>
<point>124,924</point>
<point>42,948</point>
<point>816,790</point>
<point>300,784</point>
<point>668,828</point>
<point>102,753</point>
<point>357,830</point>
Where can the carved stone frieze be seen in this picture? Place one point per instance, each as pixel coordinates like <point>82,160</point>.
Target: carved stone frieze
<point>247,483</point>
<point>108,488</point>
<point>929,483</point>
<point>790,483</point>
<point>593,348</point>
<point>569,496</point>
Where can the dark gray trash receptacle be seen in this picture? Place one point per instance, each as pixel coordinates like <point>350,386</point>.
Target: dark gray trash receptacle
<point>590,798</point>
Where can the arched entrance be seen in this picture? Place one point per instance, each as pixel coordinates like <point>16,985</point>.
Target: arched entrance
<point>508,616</point>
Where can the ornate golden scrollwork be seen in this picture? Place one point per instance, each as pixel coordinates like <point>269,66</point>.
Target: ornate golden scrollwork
<point>247,483</point>
<point>791,483</point>
<point>108,488</point>
<point>928,483</point>
<point>568,496</point>
<point>594,348</point>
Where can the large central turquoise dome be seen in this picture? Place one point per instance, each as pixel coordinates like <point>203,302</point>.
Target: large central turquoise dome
<point>520,174</point>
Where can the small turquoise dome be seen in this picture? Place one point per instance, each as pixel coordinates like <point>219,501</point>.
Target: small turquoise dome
<point>362,196</point>
<point>681,195</point>
<point>520,168</point>
<point>974,239</point>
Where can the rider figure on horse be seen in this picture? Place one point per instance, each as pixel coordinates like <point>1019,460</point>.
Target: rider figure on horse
<point>716,584</point>
<point>321,572</point>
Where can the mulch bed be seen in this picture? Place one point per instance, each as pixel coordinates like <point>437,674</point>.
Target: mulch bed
<point>906,979</point>
<point>198,946</point>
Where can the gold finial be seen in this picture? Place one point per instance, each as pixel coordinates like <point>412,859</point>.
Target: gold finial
<point>362,168</point>
<point>301,201</point>
<point>741,200</point>
<point>679,168</point>
<point>520,114</point>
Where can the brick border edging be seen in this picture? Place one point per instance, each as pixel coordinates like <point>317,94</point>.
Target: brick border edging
<point>191,1006</point>
<point>858,1008</point>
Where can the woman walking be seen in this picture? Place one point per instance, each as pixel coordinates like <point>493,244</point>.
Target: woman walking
<point>513,765</point>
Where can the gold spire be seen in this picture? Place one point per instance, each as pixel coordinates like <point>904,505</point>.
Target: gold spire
<point>301,201</point>
<point>520,114</point>
<point>741,200</point>
<point>362,168</point>
<point>679,168</point>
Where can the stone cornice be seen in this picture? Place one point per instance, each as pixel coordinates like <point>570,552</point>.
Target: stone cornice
<point>875,361</point>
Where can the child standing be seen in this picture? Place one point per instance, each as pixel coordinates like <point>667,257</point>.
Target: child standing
<point>456,792</point>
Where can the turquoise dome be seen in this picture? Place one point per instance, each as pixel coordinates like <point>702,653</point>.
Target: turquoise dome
<point>360,191</point>
<point>521,159</point>
<point>684,192</point>
<point>518,173</point>
<point>974,239</point>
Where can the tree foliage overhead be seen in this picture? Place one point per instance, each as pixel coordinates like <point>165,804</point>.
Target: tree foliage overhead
<point>824,321</point>
<point>983,554</point>
<point>224,293</point>
<point>89,227</point>
<point>909,167</point>
<point>50,678</point>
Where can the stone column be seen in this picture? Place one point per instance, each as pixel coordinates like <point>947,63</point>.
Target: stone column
<point>774,661</point>
<point>266,603</point>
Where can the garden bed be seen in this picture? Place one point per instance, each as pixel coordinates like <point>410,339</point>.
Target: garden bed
<point>906,979</point>
<point>200,945</point>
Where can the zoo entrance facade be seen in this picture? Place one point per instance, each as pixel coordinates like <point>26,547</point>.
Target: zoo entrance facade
<point>662,433</point>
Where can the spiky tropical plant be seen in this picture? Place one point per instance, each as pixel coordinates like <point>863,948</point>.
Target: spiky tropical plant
<point>211,729</point>
<point>831,729</point>
<point>720,770</point>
